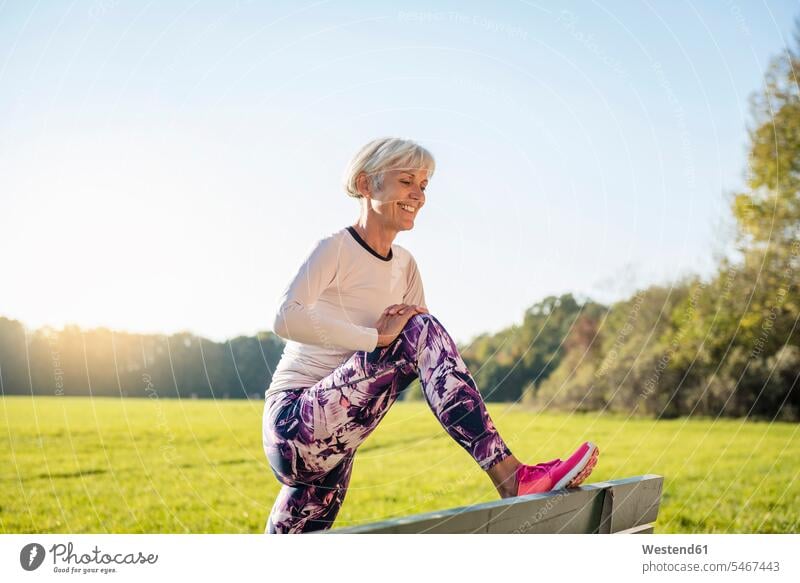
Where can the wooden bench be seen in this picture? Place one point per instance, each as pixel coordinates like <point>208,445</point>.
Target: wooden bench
<point>626,506</point>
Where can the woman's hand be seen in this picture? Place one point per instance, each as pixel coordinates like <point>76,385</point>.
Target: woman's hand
<point>393,320</point>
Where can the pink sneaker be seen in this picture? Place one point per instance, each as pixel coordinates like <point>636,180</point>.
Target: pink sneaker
<point>557,474</point>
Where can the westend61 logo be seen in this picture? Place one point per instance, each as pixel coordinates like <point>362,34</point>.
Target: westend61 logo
<point>32,556</point>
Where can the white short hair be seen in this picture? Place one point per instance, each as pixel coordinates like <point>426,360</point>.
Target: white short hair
<point>384,154</point>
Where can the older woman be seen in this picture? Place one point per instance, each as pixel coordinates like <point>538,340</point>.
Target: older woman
<point>358,333</point>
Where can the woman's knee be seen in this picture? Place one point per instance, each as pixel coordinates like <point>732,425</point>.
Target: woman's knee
<point>419,320</point>
<point>426,331</point>
<point>311,505</point>
<point>283,464</point>
<point>423,316</point>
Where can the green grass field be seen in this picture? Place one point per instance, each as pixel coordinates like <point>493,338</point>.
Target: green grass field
<point>138,465</point>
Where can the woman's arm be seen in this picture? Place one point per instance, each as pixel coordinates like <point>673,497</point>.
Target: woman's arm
<point>296,318</point>
<point>415,293</point>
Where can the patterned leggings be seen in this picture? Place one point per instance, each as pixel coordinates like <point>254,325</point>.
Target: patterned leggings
<point>311,434</point>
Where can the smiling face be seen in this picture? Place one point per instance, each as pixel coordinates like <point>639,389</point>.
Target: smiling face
<point>399,200</point>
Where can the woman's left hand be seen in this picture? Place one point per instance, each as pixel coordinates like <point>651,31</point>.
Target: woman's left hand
<point>400,309</point>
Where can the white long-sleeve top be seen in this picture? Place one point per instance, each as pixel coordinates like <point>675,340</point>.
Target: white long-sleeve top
<point>330,307</point>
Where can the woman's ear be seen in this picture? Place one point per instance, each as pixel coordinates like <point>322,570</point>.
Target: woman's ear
<point>363,186</point>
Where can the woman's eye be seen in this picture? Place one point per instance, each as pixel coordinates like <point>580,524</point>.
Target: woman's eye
<point>407,182</point>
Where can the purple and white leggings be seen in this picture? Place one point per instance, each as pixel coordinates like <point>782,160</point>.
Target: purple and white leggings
<point>311,434</point>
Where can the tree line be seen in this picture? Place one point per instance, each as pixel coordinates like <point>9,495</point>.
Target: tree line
<point>102,362</point>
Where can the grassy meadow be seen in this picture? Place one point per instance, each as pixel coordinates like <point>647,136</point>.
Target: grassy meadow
<point>114,465</point>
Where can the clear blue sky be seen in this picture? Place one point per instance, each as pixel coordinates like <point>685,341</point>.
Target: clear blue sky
<point>166,166</point>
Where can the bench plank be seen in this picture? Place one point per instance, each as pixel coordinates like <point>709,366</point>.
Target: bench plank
<point>629,504</point>
<point>616,506</point>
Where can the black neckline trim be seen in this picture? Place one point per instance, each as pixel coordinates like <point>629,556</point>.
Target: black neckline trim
<point>363,243</point>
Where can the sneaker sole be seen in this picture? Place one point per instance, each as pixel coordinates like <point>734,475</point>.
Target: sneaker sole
<point>581,471</point>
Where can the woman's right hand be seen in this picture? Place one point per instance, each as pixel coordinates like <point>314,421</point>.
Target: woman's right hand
<point>393,320</point>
